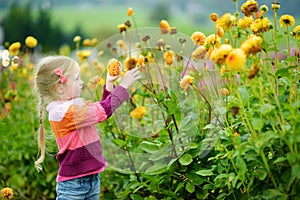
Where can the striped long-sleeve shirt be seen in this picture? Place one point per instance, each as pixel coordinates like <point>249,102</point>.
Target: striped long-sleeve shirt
<point>74,125</point>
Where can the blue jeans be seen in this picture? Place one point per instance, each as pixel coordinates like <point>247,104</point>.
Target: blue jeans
<point>87,188</point>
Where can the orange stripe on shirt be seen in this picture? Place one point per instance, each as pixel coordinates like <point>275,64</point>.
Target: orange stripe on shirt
<point>78,116</point>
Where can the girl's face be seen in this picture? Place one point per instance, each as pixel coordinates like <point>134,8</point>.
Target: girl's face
<point>72,88</point>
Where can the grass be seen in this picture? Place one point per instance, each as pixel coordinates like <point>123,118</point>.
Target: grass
<point>103,20</point>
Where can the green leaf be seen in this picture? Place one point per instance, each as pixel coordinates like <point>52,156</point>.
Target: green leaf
<point>261,173</point>
<point>156,169</point>
<point>280,159</point>
<point>274,194</point>
<point>179,186</point>
<point>208,187</point>
<point>205,172</point>
<point>149,147</point>
<point>186,159</point>
<point>241,165</point>
<point>266,108</point>
<point>185,124</point>
<point>190,187</point>
<point>244,95</point>
<point>257,123</point>
<point>222,196</point>
<point>157,156</point>
<point>120,142</point>
<point>296,171</point>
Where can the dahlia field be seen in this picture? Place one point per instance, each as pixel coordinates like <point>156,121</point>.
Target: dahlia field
<point>214,116</point>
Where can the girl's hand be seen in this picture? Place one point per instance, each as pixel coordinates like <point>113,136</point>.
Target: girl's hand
<point>130,77</point>
<point>110,81</point>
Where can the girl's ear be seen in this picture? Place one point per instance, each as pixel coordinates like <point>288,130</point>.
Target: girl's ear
<point>59,89</point>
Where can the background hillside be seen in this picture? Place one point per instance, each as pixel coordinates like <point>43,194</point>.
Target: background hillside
<point>100,18</point>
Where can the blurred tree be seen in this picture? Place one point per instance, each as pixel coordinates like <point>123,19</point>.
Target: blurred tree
<point>50,36</point>
<point>19,23</point>
<point>160,11</point>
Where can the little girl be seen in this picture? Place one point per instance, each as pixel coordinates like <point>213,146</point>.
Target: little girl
<point>73,121</point>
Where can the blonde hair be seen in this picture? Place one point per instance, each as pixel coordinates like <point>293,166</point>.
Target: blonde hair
<point>45,86</point>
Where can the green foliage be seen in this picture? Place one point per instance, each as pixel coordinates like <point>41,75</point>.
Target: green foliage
<point>18,136</point>
<point>21,21</point>
<point>191,144</point>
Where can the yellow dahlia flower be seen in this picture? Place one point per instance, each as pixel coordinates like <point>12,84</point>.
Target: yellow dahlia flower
<point>227,21</point>
<point>224,91</point>
<point>76,39</point>
<point>31,42</point>
<point>245,22</point>
<point>260,25</point>
<point>121,44</point>
<point>7,193</point>
<point>186,82</point>
<point>275,6</point>
<point>84,54</point>
<point>169,57</point>
<point>198,53</point>
<point>138,113</point>
<point>236,60</point>
<point>131,62</point>
<point>87,42</point>
<point>14,48</point>
<point>264,8</point>
<point>164,26</point>
<point>130,12</point>
<point>223,70</point>
<point>220,32</point>
<point>249,7</point>
<point>252,45</point>
<point>253,71</point>
<point>286,20</point>
<point>114,67</point>
<point>122,27</point>
<point>212,40</point>
<point>198,38</point>
<point>213,17</point>
<point>219,55</point>
<point>296,32</point>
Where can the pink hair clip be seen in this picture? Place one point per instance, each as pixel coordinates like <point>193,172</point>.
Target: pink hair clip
<point>58,72</point>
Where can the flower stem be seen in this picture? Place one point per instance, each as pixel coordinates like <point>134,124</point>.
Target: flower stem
<point>275,33</point>
<point>133,166</point>
<point>288,41</point>
<point>263,157</point>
